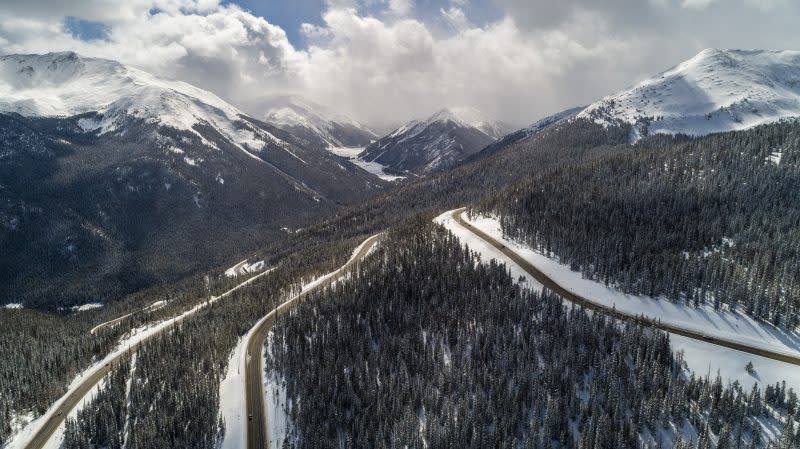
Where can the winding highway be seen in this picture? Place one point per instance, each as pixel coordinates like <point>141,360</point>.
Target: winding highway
<point>53,419</point>
<point>257,423</point>
<point>588,303</point>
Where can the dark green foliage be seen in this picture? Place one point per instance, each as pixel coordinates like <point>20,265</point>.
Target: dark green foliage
<point>426,347</point>
<point>703,221</point>
<point>174,398</point>
<point>106,425</point>
<point>87,217</point>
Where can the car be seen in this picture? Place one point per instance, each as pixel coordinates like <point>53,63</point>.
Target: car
<point>250,417</point>
<point>708,338</point>
<point>60,412</point>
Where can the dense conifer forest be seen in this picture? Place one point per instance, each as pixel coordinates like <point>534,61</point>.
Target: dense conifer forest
<point>426,347</point>
<point>714,220</point>
<point>173,396</point>
<point>176,375</point>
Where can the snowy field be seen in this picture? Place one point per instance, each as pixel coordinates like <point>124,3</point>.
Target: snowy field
<point>275,404</point>
<point>245,267</point>
<point>351,153</point>
<point>700,356</point>
<point>231,399</point>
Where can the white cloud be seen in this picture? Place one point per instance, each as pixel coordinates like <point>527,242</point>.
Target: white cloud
<point>401,7</point>
<point>456,17</point>
<point>389,66</point>
<point>696,3</point>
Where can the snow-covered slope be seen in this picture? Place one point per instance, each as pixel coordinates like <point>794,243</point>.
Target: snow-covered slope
<point>527,132</point>
<point>477,119</point>
<point>438,142</point>
<point>316,124</point>
<point>65,85</point>
<point>716,91</point>
<point>108,170</point>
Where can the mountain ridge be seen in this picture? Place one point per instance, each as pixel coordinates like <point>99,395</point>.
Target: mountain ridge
<point>715,91</point>
<point>138,181</point>
<point>433,144</point>
<point>316,124</point>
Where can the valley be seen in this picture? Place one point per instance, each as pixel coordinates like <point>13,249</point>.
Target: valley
<point>361,257</point>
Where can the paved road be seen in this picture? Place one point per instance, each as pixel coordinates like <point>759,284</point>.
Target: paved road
<point>69,401</point>
<point>593,305</point>
<point>257,424</point>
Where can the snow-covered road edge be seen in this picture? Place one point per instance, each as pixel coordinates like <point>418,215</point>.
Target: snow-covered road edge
<point>698,354</point>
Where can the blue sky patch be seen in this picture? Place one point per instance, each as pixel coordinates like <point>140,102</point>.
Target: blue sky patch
<point>85,30</point>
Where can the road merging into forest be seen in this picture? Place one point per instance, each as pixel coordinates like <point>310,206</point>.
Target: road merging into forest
<point>257,419</point>
<point>74,396</point>
<point>596,306</point>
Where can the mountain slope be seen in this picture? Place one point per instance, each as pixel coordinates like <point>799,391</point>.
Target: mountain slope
<point>316,125</point>
<point>716,91</point>
<point>433,144</point>
<point>112,179</point>
<point>524,133</point>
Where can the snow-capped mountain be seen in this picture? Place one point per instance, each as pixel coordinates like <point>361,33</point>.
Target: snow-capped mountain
<point>317,125</point>
<point>116,177</point>
<point>66,85</point>
<point>436,143</point>
<point>477,119</point>
<point>715,91</point>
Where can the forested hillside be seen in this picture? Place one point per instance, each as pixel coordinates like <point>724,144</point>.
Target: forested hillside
<point>173,398</point>
<point>714,220</point>
<point>547,155</point>
<point>425,347</point>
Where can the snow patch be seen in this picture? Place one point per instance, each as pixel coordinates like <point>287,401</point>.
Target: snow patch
<point>775,157</point>
<point>87,306</point>
<point>351,154</point>
<point>245,267</point>
<point>232,399</point>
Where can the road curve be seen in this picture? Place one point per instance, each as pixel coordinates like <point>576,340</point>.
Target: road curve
<point>69,401</point>
<point>550,284</point>
<point>257,422</point>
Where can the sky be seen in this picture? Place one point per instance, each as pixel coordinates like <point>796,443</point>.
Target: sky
<point>384,62</point>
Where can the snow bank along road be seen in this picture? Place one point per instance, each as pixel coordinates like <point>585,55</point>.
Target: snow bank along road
<point>154,306</point>
<point>254,382</point>
<point>55,416</point>
<point>550,284</point>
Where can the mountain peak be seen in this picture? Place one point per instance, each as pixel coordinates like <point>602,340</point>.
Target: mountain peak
<point>714,91</point>
<point>319,125</point>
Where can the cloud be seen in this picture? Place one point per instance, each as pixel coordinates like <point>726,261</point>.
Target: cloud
<point>386,61</point>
